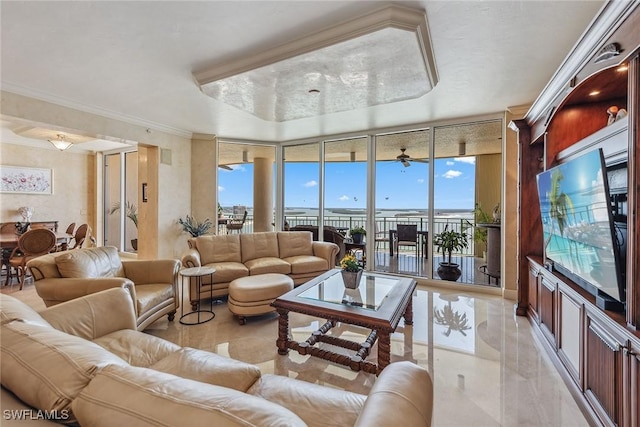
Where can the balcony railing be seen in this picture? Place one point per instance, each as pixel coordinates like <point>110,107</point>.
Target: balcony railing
<point>384,224</point>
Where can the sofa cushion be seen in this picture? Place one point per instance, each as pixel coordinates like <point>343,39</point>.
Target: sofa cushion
<point>91,262</point>
<point>149,296</point>
<point>226,272</point>
<point>307,264</point>
<point>130,396</point>
<point>259,245</point>
<point>210,368</point>
<point>14,309</point>
<point>293,243</point>
<point>218,248</point>
<point>47,368</point>
<point>137,348</point>
<point>317,405</point>
<point>268,265</point>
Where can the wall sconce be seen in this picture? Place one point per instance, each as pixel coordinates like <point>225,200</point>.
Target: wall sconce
<point>60,142</point>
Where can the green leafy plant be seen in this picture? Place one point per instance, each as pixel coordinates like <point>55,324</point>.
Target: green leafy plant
<point>358,230</point>
<point>480,233</point>
<point>350,263</point>
<point>193,227</point>
<point>219,209</point>
<point>449,241</point>
<point>131,211</point>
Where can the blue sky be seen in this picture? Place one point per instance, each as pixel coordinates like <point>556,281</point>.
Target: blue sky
<point>397,187</point>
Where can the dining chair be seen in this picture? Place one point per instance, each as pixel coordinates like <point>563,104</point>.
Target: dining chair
<point>65,245</point>
<point>31,244</point>
<point>407,235</point>
<point>81,234</point>
<point>236,223</point>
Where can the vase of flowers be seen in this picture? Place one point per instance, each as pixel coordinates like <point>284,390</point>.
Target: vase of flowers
<point>351,271</point>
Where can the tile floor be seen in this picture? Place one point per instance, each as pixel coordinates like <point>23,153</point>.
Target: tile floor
<point>487,367</point>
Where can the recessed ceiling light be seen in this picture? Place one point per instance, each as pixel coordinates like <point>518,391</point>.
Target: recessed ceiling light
<point>594,93</point>
<point>314,91</point>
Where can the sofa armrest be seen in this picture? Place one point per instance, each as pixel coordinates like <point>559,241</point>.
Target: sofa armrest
<point>402,395</point>
<point>191,258</point>
<point>56,290</point>
<point>94,315</point>
<point>326,250</point>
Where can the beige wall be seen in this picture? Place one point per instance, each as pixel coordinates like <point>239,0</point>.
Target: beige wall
<point>174,183</point>
<point>73,186</point>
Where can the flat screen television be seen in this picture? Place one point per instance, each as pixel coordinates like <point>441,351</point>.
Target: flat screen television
<point>580,237</point>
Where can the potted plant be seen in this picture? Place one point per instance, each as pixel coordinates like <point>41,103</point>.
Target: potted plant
<point>357,233</point>
<point>351,271</point>
<point>195,228</point>
<point>220,212</point>
<point>449,241</point>
<point>131,211</point>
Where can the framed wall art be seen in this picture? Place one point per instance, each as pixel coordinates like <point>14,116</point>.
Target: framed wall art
<point>24,180</point>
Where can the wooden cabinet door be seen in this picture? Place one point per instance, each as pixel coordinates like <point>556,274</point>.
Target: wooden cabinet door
<point>603,371</point>
<point>632,387</point>
<point>547,309</point>
<point>533,291</point>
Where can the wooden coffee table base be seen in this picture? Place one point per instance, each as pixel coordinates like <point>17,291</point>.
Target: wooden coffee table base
<point>357,361</point>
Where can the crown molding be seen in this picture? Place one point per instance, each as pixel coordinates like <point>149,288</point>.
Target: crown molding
<point>609,18</point>
<point>103,112</point>
<point>393,16</point>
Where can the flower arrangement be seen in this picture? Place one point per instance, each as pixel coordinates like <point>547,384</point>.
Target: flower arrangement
<point>350,263</point>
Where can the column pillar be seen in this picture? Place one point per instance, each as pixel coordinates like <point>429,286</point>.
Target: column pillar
<point>262,194</point>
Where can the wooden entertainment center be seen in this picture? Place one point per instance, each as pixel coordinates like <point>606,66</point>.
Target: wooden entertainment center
<point>596,351</point>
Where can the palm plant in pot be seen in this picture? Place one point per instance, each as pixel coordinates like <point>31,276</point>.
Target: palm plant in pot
<point>449,241</point>
<point>131,212</point>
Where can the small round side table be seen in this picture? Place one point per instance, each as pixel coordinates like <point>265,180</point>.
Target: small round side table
<point>197,273</point>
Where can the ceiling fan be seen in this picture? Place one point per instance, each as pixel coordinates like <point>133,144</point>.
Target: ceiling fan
<point>406,159</point>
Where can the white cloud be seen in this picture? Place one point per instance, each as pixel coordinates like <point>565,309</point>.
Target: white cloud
<point>343,198</point>
<point>420,181</point>
<point>312,183</point>
<point>450,163</point>
<point>220,188</point>
<point>470,160</point>
<point>450,174</point>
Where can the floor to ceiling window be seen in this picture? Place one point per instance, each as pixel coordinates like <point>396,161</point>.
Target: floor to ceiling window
<point>401,200</point>
<point>121,195</point>
<point>423,185</point>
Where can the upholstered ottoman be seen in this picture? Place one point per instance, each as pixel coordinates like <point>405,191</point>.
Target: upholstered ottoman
<point>253,295</point>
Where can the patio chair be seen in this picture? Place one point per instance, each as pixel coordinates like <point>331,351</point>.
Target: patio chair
<point>236,224</point>
<point>407,235</point>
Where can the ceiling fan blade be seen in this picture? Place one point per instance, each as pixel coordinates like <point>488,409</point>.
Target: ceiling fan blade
<point>405,163</point>
<point>225,167</point>
<point>420,160</point>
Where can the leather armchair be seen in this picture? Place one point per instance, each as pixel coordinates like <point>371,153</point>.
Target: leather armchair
<point>153,284</point>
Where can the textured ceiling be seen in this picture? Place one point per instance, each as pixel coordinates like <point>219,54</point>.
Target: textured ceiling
<point>134,61</point>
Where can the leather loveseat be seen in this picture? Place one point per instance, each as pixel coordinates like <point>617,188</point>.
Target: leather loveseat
<point>62,276</point>
<point>83,361</point>
<point>293,253</point>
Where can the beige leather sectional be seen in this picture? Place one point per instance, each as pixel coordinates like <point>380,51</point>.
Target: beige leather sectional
<point>293,253</point>
<point>83,361</point>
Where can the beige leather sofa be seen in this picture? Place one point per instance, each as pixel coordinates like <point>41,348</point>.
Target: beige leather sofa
<point>62,276</point>
<point>293,253</point>
<point>84,361</point>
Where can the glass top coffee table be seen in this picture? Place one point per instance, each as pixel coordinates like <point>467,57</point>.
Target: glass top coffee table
<point>377,304</point>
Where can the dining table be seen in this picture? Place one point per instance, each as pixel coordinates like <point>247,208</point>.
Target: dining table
<point>9,241</point>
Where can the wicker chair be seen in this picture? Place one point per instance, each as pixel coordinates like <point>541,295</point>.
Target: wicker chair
<point>407,236</point>
<point>31,244</point>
